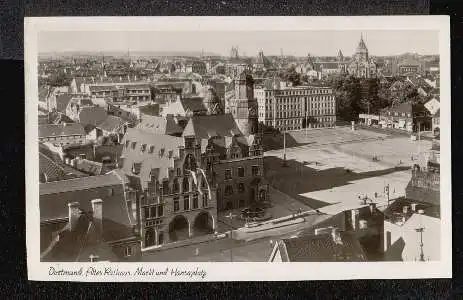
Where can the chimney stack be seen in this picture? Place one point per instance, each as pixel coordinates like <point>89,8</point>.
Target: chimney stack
<point>414,205</point>
<point>372,208</point>
<point>74,214</point>
<point>97,207</point>
<point>94,258</point>
<point>405,209</point>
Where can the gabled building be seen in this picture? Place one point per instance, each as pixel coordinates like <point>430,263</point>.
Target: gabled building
<point>67,214</point>
<point>62,134</point>
<point>361,65</point>
<point>331,246</point>
<point>406,116</point>
<point>176,199</point>
<point>233,161</point>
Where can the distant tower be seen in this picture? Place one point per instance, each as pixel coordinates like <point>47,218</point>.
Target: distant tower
<point>340,56</point>
<point>361,53</point>
<point>211,101</point>
<point>244,106</point>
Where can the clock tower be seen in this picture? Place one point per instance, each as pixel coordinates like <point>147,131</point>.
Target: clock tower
<point>243,106</point>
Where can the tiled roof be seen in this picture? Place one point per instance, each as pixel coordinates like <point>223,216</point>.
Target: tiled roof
<point>151,110</point>
<point>82,183</point>
<point>160,125</point>
<point>92,115</point>
<point>319,248</point>
<point>62,101</point>
<point>201,126</point>
<point>193,104</point>
<point>52,130</point>
<point>403,107</point>
<point>44,92</point>
<point>155,155</point>
<point>100,88</point>
<point>327,65</point>
<point>85,240</point>
<point>111,123</point>
<point>50,168</point>
<point>88,166</point>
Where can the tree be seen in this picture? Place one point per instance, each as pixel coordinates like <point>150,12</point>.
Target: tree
<point>347,92</point>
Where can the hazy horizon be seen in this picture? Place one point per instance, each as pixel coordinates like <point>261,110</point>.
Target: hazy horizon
<point>296,43</point>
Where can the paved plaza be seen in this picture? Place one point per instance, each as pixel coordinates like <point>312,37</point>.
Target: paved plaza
<point>339,166</point>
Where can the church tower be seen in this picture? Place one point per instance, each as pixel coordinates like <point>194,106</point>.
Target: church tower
<point>244,106</point>
<point>361,53</point>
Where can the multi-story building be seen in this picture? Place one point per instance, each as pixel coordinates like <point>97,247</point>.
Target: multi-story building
<point>62,134</point>
<point>198,67</point>
<point>243,105</point>
<point>73,210</point>
<point>121,92</point>
<point>406,116</point>
<point>294,108</point>
<point>176,200</point>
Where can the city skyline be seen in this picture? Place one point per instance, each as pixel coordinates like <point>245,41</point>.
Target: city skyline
<point>296,43</point>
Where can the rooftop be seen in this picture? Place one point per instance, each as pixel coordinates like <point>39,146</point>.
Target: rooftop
<point>82,183</point>
<point>54,130</point>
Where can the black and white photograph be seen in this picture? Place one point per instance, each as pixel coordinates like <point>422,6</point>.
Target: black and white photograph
<point>177,148</point>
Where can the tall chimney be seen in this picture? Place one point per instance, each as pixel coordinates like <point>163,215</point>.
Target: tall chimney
<point>74,214</point>
<point>97,207</point>
<point>414,205</point>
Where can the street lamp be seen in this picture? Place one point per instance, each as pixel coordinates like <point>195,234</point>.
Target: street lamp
<point>231,216</point>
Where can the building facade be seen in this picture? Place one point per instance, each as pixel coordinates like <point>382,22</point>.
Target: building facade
<point>295,108</point>
<point>406,116</point>
<point>117,217</point>
<point>361,65</point>
<point>121,92</point>
<point>62,134</point>
<point>233,161</point>
<point>176,199</point>
<point>243,106</point>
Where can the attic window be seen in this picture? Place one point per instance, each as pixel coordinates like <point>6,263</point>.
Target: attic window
<point>170,153</point>
<point>161,152</point>
<point>134,144</point>
<point>143,148</point>
<point>151,149</point>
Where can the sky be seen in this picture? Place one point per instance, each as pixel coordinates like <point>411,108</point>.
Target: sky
<point>298,43</point>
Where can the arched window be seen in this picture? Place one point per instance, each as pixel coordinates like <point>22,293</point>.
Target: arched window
<point>228,190</point>
<point>186,184</point>
<point>165,187</point>
<point>175,186</point>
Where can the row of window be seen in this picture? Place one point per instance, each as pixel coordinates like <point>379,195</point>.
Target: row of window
<point>297,92</point>
<point>401,114</point>
<point>240,172</point>
<point>148,148</point>
<point>229,189</point>
<point>190,202</point>
<point>151,212</point>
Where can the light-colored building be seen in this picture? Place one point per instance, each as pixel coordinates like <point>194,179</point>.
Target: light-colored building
<point>175,198</point>
<point>121,92</point>
<point>62,134</point>
<point>294,108</point>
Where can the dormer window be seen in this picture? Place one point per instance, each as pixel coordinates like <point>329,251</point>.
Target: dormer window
<point>170,153</point>
<point>134,144</point>
<point>143,148</point>
<point>151,149</point>
<point>127,143</point>
<point>161,152</point>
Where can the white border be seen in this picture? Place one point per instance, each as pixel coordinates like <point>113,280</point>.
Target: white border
<point>238,271</point>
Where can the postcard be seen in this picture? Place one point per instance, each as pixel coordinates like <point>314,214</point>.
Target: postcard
<point>237,148</point>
